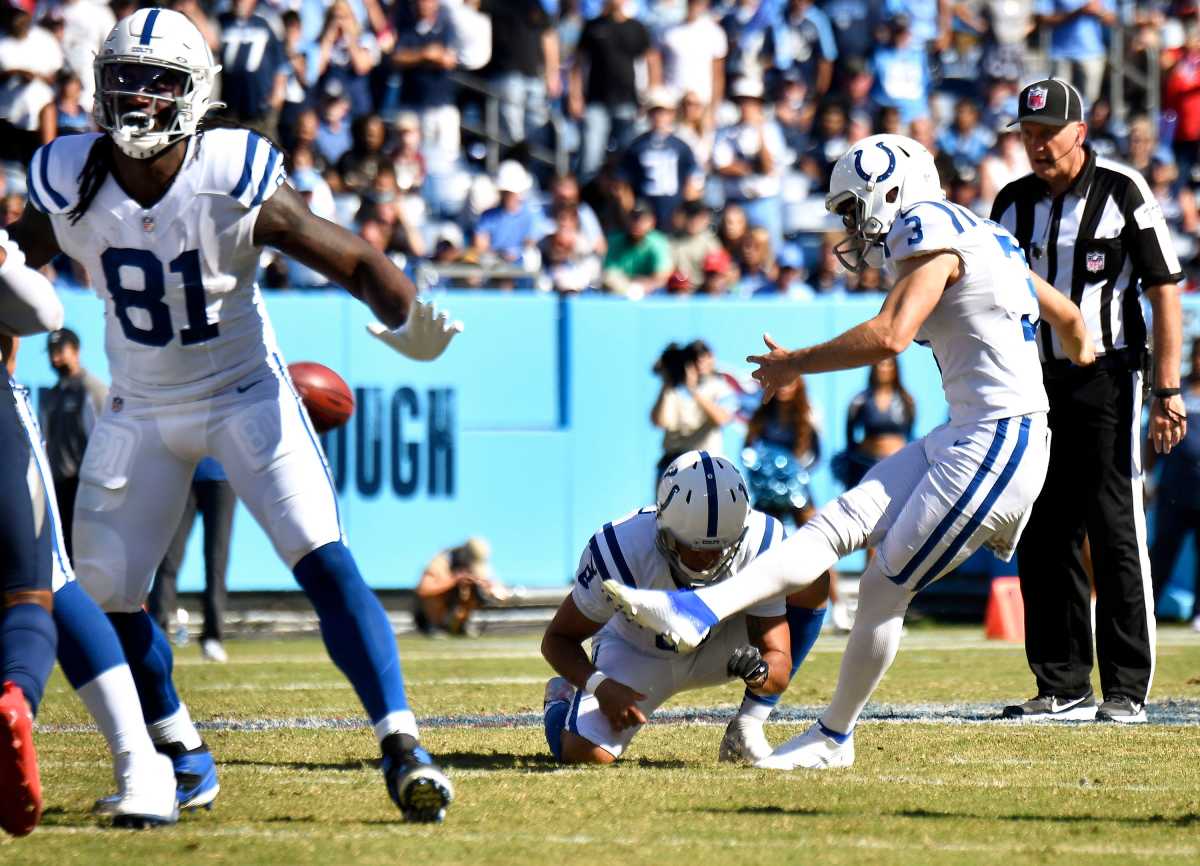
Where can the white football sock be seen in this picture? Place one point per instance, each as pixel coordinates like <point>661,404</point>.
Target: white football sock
<point>787,567</point>
<point>399,722</point>
<point>176,728</point>
<point>112,700</point>
<point>752,709</point>
<point>872,647</point>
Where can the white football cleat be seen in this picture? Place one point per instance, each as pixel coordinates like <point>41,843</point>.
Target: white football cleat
<point>744,742</point>
<point>145,792</point>
<point>813,749</point>
<point>658,611</point>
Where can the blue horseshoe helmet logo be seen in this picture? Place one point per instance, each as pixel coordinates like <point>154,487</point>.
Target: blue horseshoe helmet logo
<point>891,163</point>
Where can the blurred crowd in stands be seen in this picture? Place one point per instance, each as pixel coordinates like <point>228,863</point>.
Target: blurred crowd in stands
<point>633,146</point>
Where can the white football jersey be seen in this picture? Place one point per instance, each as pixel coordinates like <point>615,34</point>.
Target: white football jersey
<point>624,550</point>
<point>184,317</point>
<point>983,330</point>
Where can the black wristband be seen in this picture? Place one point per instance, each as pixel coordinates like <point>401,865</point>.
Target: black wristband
<point>1164,393</point>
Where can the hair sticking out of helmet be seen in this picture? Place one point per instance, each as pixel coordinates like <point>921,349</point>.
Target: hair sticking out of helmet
<point>702,509</point>
<point>871,184</point>
<point>154,80</point>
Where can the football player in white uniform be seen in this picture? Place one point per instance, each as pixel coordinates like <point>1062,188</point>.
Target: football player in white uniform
<point>701,531</point>
<point>963,289</point>
<point>41,586</point>
<point>168,217</point>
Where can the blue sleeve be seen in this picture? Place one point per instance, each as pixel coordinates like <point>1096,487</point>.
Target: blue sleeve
<point>829,48</point>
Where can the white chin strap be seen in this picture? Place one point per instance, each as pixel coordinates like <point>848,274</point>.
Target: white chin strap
<point>135,142</point>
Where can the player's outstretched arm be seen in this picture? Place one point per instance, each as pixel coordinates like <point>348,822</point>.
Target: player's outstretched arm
<point>1064,317</point>
<point>28,304</point>
<point>411,326</point>
<point>286,223</point>
<point>907,306</point>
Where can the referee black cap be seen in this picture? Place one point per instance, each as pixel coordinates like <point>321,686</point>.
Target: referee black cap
<point>1051,101</point>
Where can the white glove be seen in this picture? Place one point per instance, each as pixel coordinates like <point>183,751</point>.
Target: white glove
<point>424,336</point>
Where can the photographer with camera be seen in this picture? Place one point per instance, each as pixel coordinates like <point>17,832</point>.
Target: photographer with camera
<point>693,404</point>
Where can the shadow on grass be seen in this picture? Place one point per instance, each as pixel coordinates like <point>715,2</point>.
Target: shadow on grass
<point>354,764</point>
<point>536,763</point>
<point>1188,819</point>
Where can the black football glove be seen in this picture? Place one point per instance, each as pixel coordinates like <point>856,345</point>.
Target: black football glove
<point>747,663</point>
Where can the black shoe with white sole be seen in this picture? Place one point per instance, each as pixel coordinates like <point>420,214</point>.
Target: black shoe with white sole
<point>1121,709</point>
<point>1051,708</point>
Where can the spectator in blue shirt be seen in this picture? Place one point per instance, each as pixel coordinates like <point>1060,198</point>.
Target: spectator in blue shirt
<point>804,46</point>
<point>253,68</point>
<point>901,72</point>
<point>746,26</point>
<point>1077,41</point>
<point>965,141</point>
<point>510,229</point>
<point>347,55</point>
<point>658,165</point>
<point>333,135</point>
<point>426,54</point>
<point>929,18</point>
<point>854,24</point>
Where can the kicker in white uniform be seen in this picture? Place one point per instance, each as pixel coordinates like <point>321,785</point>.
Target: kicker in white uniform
<point>962,289</point>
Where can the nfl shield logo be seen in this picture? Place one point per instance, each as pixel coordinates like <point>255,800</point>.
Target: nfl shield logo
<point>1036,100</point>
<point>1094,263</point>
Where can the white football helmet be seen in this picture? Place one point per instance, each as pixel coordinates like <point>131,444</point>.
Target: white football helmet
<point>154,81</point>
<point>874,180</point>
<point>702,505</point>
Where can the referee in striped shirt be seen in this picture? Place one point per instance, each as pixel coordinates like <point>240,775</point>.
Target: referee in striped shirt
<point>1092,228</point>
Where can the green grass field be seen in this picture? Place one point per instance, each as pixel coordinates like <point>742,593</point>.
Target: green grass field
<point>922,792</point>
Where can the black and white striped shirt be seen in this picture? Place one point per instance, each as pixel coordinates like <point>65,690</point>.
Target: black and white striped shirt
<point>1101,243</point>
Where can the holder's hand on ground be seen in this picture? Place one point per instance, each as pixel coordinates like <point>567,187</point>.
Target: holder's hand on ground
<point>618,702</point>
<point>424,336</point>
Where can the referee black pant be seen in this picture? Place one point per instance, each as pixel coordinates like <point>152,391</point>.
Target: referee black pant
<point>1093,488</point>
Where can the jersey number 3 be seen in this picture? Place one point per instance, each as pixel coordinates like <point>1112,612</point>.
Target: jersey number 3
<point>150,297</point>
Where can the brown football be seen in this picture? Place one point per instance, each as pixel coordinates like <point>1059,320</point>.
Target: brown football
<point>325,394</point>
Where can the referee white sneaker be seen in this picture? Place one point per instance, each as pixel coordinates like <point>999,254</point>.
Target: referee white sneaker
<point>818,748</point>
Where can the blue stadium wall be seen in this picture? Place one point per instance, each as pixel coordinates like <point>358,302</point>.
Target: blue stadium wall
<point>533,430</point>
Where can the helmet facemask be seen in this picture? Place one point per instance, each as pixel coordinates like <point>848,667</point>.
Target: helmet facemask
<point>687,577</point>
<point>147,106</point>
<point>866,230</point>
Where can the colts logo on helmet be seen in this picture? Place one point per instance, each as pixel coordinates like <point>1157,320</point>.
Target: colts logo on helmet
<point>1036,100</point>
<point>886,174</point>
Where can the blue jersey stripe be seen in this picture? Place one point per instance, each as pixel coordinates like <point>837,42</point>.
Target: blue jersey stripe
<point>44,174</point>
<point>32,187</point>
<point>614,549</point>
<point>598,559</point>
<point>573,713</point>
<point>966,214</point>
<point>148,27</point>
<point>252,141</point>
<point>710,479</point>
<point>956,510</point>
<point>262,186</point>
<point>998,487</point>
<point>768,536</point>
<point>942,206</point>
